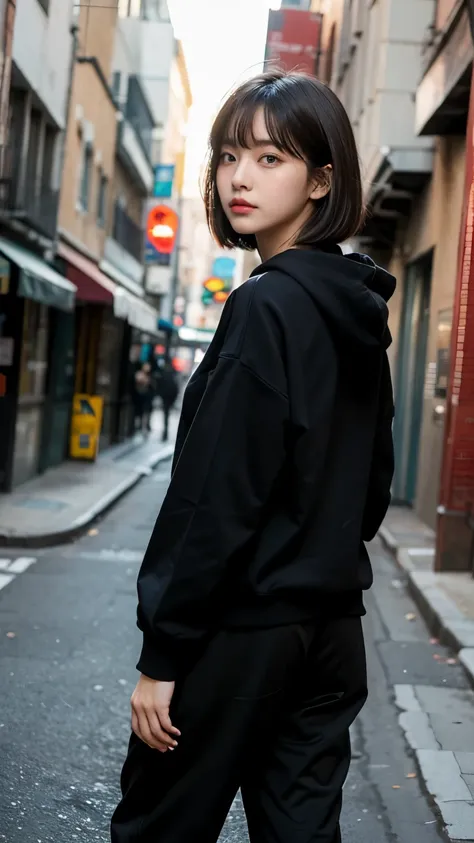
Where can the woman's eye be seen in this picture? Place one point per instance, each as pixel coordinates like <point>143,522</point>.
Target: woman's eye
<point>270,159</point>
<point>227,158</point>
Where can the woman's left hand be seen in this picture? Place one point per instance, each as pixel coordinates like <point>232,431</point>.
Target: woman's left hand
<point>151,722</point>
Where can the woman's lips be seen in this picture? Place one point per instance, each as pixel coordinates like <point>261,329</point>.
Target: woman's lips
<point>243,208</point>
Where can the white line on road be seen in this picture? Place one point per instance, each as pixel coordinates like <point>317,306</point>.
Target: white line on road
<point>20,565</point>
<point>5,580</point>
<point>13,567</point>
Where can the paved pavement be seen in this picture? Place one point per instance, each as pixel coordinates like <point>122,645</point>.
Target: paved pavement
<point>445,598</point>
<point>56,506</point>
<point>68,646</point>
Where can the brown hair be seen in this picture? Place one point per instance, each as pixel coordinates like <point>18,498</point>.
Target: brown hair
<point>305,119</point>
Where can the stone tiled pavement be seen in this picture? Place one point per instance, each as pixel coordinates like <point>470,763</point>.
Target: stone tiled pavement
<point>439,722</point>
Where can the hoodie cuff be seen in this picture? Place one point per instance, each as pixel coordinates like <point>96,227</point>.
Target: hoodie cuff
<point>156,664</point>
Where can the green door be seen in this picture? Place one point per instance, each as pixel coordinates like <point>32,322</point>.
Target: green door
<point>411,377</point>
<point>60,391</point>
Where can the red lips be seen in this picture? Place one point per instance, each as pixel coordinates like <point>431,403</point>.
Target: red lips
<point>240,203</point>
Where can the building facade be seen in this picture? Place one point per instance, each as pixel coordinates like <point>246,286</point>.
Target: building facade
<point>107,176</point>
<point>403,70</point>
<point>36,300</point>
<point>147,47</point>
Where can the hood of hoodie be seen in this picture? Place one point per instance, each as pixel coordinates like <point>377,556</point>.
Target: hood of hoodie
<point>350,291</point>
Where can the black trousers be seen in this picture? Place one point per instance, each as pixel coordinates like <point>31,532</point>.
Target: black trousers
<point>167,407</point>
<point>265,710</point>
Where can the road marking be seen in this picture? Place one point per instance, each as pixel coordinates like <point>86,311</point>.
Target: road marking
<point>5,580</point>
<point>20,565</point>
<point>13,567</point>
<point>112,555</point>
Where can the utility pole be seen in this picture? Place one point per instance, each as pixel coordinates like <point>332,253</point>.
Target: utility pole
<point>62,150</point>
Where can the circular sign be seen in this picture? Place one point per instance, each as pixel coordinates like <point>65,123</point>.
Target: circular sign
<point>162,227</point>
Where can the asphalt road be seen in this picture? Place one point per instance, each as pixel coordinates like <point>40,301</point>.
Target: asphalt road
<point>68,647</point>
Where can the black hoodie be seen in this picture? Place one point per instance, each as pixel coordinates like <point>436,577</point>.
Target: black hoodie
<point>283,463</point>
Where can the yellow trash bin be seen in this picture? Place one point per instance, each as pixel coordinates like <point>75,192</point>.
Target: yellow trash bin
<point>86,425</point>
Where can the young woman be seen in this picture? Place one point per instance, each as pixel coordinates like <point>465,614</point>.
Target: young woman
<point>250,593</point>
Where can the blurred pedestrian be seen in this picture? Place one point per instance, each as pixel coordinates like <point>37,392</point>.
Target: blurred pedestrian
<point>167,390</point>
<point>250,592</point>
<point>143,398</point>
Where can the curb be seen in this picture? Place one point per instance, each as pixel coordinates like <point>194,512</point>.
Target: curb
<point>99,508</point>
<point>441,614</point>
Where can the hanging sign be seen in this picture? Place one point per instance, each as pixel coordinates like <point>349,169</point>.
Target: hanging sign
<point>161,231</point>
<point>214,285</point>
<point>163,181</point>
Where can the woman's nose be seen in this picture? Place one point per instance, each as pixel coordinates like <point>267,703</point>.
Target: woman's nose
<point>241,177</point>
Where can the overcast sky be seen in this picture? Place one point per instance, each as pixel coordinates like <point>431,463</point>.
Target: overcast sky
<point>224,42</point>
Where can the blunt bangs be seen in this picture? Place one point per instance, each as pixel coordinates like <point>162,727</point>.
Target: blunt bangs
<point>305,119</point>
<point>235,128</point>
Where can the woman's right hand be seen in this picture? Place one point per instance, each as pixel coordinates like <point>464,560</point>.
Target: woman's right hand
<point>151,722</point>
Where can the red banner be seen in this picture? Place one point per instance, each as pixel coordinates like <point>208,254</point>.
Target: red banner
<point>294,40</point>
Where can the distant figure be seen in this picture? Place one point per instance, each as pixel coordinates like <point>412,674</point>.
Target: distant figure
<point>143,398</point>
<point>167,389</point>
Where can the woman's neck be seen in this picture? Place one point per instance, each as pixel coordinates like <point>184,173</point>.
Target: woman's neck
<point>280,239</point>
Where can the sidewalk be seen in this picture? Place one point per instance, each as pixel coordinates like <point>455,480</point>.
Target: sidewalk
<point>438,722</point>
<point>446,600</point>
<point>56,506</point>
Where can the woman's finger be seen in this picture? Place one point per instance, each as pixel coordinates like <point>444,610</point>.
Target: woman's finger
<point>166,723</point>
<point>157,731</point>
<point>145,734</point>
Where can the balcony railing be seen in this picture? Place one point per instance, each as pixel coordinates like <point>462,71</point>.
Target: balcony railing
<point>127,233</point>
<point>138,113</point>
<point>36,205</point>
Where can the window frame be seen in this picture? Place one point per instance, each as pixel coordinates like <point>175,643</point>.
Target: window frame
<point>102,190</point>
<point>85,176</point>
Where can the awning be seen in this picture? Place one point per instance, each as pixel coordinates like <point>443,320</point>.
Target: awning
<point>137,312</point>
<point>38,281</point>
<point>92,285</point>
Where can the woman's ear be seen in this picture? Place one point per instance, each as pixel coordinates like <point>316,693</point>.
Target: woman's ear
<point>322,182</point>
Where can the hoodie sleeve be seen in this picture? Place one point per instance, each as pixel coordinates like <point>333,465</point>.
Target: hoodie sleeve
<point>222,481</point>
<point>383,463</point>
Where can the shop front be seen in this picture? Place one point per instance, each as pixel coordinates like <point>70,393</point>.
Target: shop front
<point>36,304</point>
<point>106,318</point>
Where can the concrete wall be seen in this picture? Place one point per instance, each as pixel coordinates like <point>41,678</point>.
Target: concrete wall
<point>90,105</point>
<point>434,224</point>
<point>376,68</point>
<point>174,137</point>
<point>149,46</point>
<point>42,46</point>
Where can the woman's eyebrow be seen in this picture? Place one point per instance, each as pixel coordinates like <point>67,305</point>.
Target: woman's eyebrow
<point>255,142</point>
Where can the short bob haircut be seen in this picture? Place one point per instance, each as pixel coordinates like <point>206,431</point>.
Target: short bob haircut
<point>303,118</point>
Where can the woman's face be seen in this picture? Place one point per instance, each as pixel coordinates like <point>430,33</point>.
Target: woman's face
<point>273,188</point>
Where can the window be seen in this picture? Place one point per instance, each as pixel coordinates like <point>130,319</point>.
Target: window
<point>85,184</point>
<point>48,156</point>
<point>130,8</point>
<point>34,350</point>
<point>146,9</point>
<point>116,84</point>
<point>155,10</point>
<point>102,199</point>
